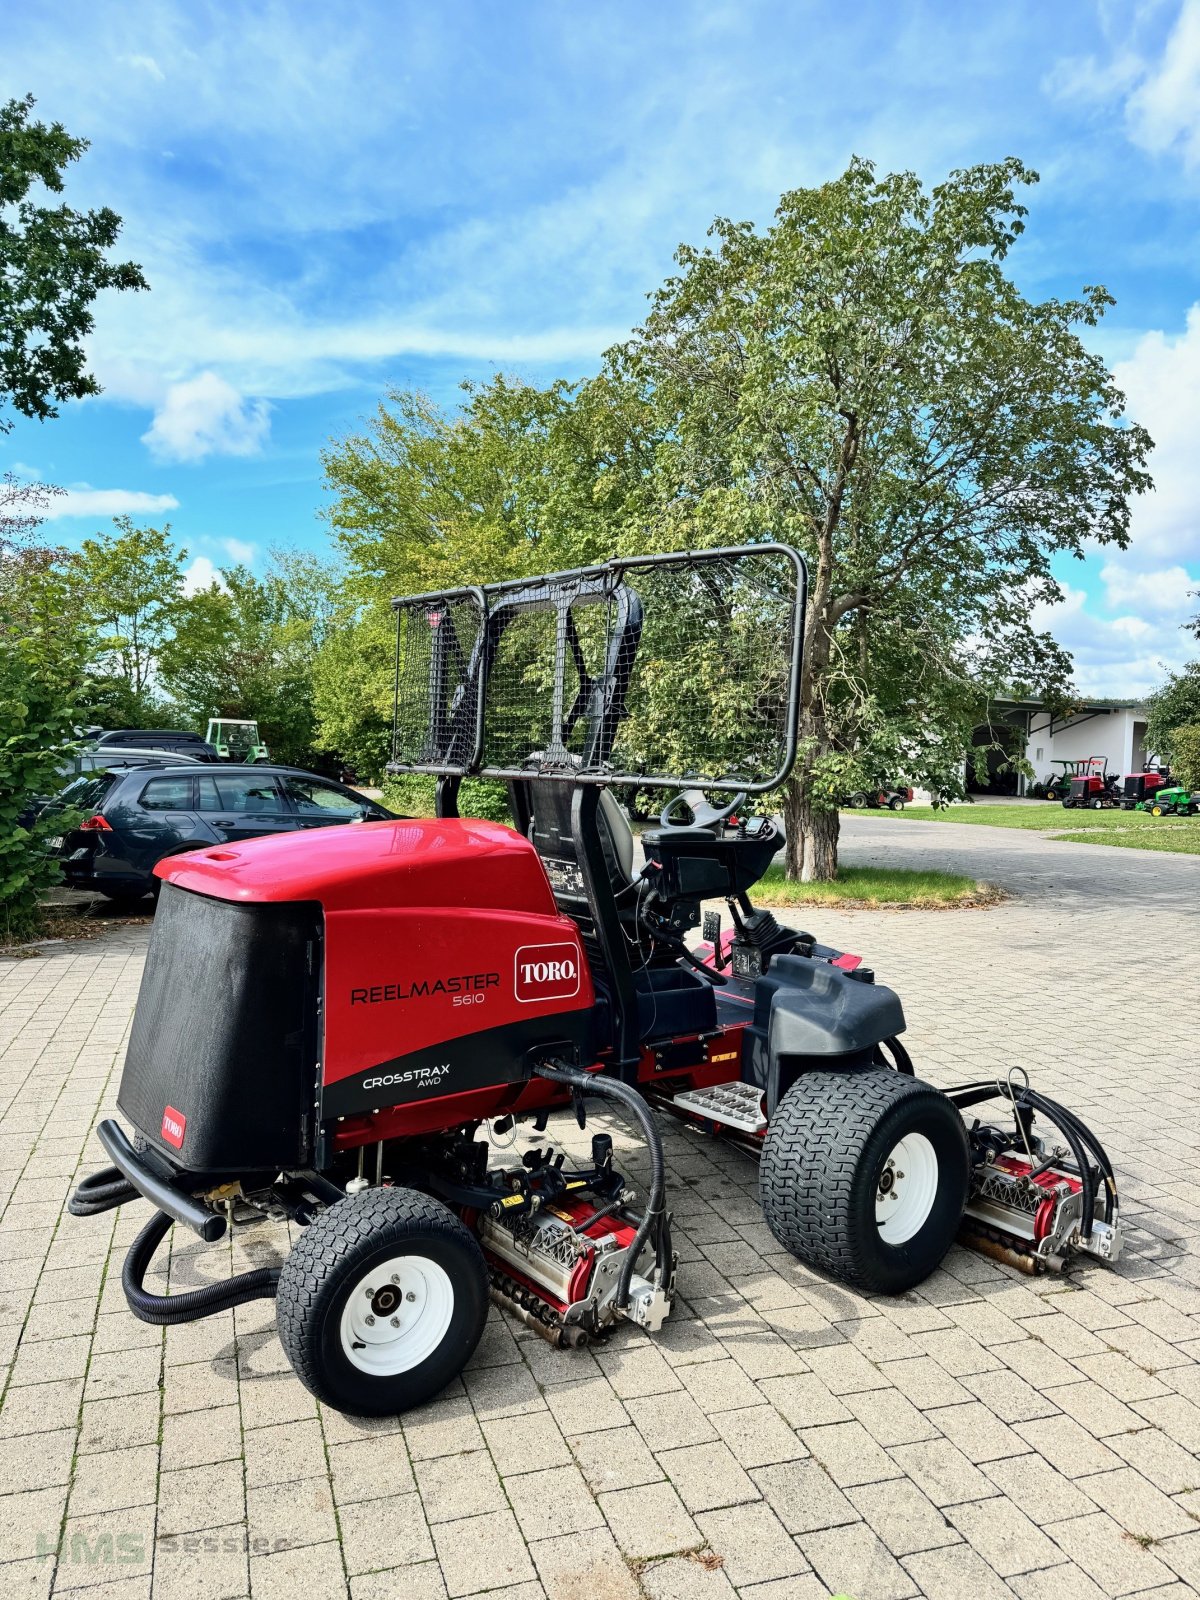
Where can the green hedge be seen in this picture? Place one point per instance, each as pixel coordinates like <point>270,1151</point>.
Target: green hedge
<point>412,795</point>
<point>36,734</point>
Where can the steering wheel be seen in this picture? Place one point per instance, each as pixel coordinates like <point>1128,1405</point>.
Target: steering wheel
<point>703,814</point>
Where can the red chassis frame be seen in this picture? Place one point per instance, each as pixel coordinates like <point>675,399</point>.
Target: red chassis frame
<point>433,933</point>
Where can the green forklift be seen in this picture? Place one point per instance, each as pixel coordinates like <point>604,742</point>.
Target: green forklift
<point>235,739</point>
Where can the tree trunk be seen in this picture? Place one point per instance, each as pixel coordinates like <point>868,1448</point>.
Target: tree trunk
<point>812,837</point>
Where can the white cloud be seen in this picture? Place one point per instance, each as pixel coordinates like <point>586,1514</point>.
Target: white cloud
<point>146,64</point>
<point>206,415</point>
<point>1163,112</point>
<point>84,501</point>
<point>1163,595</point>
<point>199,574</point>
<point>1123,656</point>
<point>1157,79</point>
<point>1161,380</point>
<point>1092,80</point>
<point>239,550</point>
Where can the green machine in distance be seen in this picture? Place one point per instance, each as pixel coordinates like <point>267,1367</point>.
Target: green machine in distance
<point>1177,800</point>
<point>235,739</point>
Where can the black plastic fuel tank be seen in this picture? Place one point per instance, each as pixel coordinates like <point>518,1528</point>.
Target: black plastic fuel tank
<point>221,1069</point>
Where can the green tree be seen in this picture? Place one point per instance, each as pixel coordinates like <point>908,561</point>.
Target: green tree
<point>1173,706</point>
<point>1185,755</point>
<point>42,653</point>
<point>131,583</point>
<point>245,646</point>
<point>508,486</point>
<point>53,263</point>
<point>863,380</point>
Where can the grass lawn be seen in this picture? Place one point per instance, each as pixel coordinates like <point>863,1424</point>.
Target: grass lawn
<point>877,886</point>
<point>1131,830</point>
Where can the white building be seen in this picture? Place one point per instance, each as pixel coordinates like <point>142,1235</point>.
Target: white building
<point>1114,730</point>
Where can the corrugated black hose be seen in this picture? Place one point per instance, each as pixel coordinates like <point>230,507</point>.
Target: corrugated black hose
<point>101,1191</point>
<point>165,1310</point>
<point>654,1217</point>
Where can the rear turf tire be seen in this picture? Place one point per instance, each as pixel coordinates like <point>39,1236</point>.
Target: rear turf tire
<point>405,1248</point>
<point>125,897</point>
<point>895,803</point>
<point>825,1156</point>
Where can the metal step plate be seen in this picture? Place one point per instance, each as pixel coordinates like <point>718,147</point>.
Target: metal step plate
<point>736,1105</point>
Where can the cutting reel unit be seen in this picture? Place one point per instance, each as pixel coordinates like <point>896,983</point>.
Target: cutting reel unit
<point>1034,1202</point>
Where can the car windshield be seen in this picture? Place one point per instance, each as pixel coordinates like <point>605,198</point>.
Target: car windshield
<point>86,793</point>
<point>312,798</point>
<point>238,735</point>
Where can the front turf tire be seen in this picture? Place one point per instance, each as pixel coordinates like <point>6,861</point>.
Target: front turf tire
<point>824,1180</point>
<point>384,1245</point>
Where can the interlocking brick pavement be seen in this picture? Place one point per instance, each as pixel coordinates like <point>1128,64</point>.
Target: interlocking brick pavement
<point>784,1439</point>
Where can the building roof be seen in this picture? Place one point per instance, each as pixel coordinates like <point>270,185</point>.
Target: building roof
<point>1088,703</point>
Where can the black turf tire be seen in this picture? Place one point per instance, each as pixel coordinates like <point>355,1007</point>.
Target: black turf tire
<point>125,897</point>
<point>857,801</point>
<point>824,1151</point>
<point>895,803</point>
<point>332,1255</point>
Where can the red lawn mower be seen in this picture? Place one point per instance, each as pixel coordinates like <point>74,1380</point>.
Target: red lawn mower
<point>326,1024</point>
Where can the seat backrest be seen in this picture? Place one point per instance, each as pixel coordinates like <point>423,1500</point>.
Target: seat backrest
<point>550,833</point>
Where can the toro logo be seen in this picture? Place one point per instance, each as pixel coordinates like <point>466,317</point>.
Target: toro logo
<point>174,1125</point>
<point>547,972</point>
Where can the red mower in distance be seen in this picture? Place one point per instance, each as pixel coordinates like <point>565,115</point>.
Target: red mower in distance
<point>1140,788</point>
<point>365,1033</point>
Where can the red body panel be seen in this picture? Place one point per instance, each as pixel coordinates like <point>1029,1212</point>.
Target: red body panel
<point>435,932</point>
<point>365,866</point>
<point>415,977</point>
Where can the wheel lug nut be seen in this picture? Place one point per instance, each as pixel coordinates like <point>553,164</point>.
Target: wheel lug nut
<point>368,1291</point>
<point>411,1295</point>
<point>370,1322</point>
<point>395,1322</point>
<point>395,1277</point>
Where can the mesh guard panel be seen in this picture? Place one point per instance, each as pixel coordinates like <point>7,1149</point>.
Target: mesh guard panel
<point>679,669</point>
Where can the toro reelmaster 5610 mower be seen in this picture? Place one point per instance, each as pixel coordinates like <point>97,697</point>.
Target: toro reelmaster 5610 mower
<point>327,1023</point>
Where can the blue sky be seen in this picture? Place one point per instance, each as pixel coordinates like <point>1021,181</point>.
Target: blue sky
<point>330,200</point>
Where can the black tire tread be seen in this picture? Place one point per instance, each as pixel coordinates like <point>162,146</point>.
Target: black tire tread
<point>810,1156</point>
<point>323,1247</point>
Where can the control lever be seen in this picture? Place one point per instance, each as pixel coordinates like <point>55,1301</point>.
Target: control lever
<point>711,932</point>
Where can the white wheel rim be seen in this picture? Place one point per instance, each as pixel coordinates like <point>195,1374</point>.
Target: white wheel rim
<point>908,1184</point>
<point>397,1315</point>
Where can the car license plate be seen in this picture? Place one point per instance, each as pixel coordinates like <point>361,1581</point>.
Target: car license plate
<point>57,842</point>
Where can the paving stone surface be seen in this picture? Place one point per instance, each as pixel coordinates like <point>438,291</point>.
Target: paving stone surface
<point>987,1434</point>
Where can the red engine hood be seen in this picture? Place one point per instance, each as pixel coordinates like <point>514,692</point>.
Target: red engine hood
<point>361,866</point>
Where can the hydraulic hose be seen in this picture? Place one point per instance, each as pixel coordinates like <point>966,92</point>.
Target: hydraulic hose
<point>101,1191</point>
<point>653,1218</point>
<point>971,1094</point>
<point>1063,1118</point>
<point>1079,1138</point>
<point>166,1310</point>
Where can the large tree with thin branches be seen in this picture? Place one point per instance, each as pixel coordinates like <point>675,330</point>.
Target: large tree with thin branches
<point>865,380</point>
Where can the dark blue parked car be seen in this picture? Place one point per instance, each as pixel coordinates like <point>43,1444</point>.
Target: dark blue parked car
<point>133,817</point>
